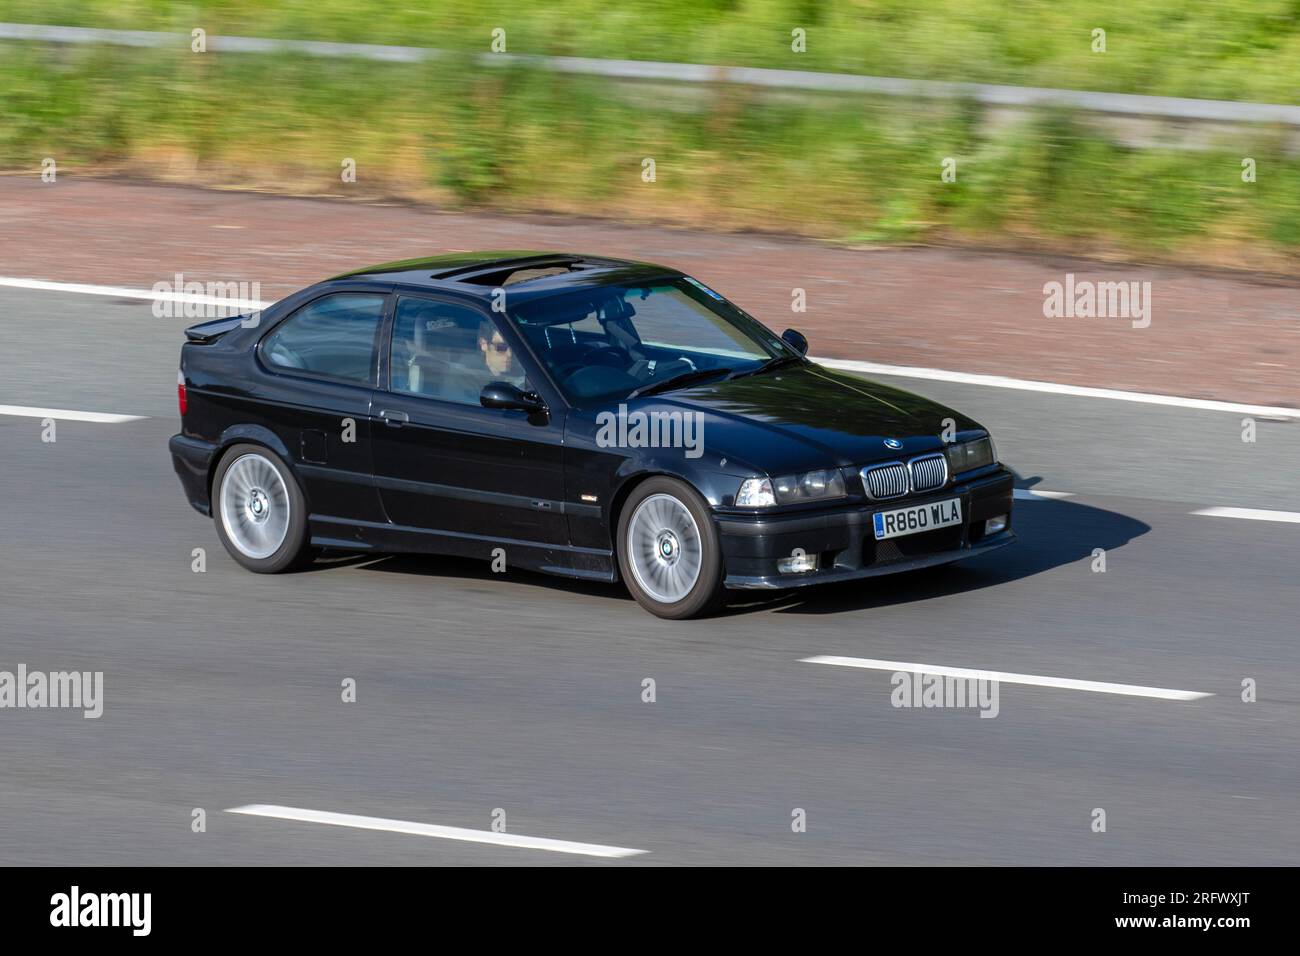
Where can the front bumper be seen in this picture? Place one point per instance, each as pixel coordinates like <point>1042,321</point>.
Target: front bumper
<point>843,539</point>
<point>192,457</point>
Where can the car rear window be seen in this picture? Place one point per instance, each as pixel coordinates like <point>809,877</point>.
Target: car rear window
<point>333,337</point>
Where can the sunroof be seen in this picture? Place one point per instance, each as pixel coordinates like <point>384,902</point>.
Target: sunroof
<point>524,270</point>
<point>514,276</point>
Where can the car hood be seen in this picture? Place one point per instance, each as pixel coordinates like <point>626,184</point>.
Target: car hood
<point>808,417</point>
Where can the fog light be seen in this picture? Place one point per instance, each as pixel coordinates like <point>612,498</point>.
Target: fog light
<point>994,525</point>
<point>797,564</point>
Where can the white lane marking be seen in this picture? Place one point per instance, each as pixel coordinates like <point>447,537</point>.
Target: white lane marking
<point>68,415</point>
<point>1078,391</point>
<point>1031,493</point>
<point>847,365</point>
<point>432,830</point>
<point>1251,514</point>
<point>121,292</point>
<point>1066,683</point>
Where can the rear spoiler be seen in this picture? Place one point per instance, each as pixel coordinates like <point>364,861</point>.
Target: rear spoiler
<point>206,332</point>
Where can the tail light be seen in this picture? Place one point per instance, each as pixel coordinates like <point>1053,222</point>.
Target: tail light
<point>182,400</point>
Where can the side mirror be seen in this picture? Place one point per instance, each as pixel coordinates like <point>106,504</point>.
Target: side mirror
<point>504,395</point>
<point>796,340</point>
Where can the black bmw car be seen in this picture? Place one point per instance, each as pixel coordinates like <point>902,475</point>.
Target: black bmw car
<point>578,415</point>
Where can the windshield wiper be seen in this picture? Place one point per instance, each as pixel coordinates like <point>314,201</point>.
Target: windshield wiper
<point>678,381</point>
<point>770,364</point>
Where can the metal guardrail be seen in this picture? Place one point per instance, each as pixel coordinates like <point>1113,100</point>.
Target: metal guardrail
<point>1116,104</point>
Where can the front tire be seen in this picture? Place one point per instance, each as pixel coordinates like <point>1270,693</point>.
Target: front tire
<point>668,550</point>
<point>259,510</point>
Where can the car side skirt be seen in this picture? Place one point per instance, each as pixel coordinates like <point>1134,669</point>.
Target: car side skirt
<point>588,564</point>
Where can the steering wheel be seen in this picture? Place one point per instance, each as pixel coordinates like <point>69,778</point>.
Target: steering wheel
<point>610,356</point>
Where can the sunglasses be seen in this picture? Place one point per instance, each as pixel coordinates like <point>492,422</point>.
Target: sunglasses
<point>500,346</point>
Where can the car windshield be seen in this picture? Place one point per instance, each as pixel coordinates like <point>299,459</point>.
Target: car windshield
<point>607,342</point>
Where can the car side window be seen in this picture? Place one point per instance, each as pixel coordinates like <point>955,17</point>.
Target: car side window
<point>448,352</point>
<point>333,337</point>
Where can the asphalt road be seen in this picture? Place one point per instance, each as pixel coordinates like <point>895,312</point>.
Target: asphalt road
<point>478,691</point>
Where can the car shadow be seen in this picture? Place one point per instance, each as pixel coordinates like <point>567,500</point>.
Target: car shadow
<point>1051,532</point>
<point>469,569</point>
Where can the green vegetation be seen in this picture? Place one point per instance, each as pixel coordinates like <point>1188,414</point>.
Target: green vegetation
<point>845,168</point>
<point>1227,49</point>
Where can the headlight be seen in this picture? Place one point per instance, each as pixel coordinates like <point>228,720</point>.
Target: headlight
<point>755,493</point>
<point>969,455</point>
<point>812,486</point>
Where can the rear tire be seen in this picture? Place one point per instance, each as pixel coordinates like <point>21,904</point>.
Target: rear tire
<point>259,510</point>
<point>668,550</point>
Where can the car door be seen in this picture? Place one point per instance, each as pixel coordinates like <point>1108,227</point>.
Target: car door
<point>442,461</point>
<point>322,362</point>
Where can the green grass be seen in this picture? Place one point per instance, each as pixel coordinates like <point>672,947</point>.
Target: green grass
<point>1227,49</point>
<point>835,167</point>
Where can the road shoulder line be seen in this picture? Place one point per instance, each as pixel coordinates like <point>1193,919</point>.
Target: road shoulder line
<point>1003,677</point>
<point>301,815</point>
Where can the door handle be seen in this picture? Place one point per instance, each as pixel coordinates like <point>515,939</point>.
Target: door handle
<point>394,419</point>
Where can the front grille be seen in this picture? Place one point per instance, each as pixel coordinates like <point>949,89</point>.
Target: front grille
<point>893,479</point>
<point>928,472</point>
<point>885,481</point>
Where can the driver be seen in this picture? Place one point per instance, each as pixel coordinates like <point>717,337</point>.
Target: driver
<point>498,357</point>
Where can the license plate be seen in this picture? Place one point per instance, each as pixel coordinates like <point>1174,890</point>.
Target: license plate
<point>918,518</point>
